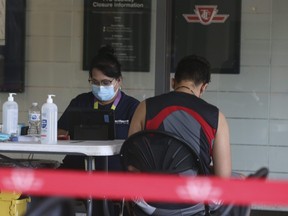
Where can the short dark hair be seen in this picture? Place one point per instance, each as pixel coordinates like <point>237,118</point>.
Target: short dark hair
<point>106,62</point>
<point>194,68</point>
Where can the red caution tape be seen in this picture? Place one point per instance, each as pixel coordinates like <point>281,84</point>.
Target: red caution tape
<point>150,187</point>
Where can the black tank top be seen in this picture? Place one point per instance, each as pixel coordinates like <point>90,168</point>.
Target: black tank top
<point>187,116</point>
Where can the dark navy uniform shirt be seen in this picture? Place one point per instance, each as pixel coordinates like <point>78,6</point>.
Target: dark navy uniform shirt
<point>123,115</point>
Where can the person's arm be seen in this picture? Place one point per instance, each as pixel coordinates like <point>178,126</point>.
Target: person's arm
<point>138,119</point>
<point>63,125</point>
<point>62,132</point>
<point>221,149</point>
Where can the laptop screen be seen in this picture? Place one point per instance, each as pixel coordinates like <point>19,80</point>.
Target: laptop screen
<point>91,124</point>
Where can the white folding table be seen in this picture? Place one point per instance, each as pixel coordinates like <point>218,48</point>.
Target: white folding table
<point>90,149</point>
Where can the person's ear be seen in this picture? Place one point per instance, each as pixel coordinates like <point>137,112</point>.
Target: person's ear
<point>203,88</point>
<point>119,83</point>
<point>173,83</point>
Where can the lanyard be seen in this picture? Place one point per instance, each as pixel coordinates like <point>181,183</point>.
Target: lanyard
<point>115,103</point>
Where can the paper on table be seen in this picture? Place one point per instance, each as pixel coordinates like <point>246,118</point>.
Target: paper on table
<point>28,138</point>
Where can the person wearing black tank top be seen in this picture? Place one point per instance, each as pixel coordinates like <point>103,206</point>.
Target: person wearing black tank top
<point>191,79</point>
<point>184,113</point>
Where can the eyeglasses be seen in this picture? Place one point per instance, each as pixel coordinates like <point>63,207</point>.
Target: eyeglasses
<point>104,82</point>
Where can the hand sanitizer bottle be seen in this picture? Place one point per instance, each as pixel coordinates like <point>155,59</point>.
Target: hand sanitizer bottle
<point>49,112</point>
<point>10,116</point>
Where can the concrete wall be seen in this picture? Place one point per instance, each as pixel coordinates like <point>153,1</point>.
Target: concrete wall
<point>255,101</point>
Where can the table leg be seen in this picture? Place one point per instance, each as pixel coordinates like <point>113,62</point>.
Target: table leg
<point>105,201</point>
<point>106,212</point>
<point>90,161</point>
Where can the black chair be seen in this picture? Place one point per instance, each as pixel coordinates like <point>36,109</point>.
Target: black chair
<point>160,152</point>
<point>236,210</point>
<point>163,152</point>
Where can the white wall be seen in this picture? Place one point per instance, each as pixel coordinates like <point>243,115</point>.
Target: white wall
<point>255,101</point>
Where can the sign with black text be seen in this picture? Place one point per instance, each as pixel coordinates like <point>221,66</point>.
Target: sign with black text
<point>209,28</point>
<point>123,24</point>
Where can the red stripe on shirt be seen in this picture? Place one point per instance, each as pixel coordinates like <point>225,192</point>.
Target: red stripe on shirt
<point>155,122</point>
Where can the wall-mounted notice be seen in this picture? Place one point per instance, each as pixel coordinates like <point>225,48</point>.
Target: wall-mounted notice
<point>209,28</point>
<point>2,21</point>
<point>123,24</point>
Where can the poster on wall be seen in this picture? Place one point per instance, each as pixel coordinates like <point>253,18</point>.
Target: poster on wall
<point>209,28</point>
<point>123,24</point>
<point>12,45</point>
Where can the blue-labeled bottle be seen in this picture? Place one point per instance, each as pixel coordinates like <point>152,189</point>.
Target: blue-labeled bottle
<point>49,112</point>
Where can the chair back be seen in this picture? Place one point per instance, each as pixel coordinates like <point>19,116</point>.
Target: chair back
<point>155,151</point>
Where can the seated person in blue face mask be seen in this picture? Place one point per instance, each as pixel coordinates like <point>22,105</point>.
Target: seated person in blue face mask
<point>105,79</point>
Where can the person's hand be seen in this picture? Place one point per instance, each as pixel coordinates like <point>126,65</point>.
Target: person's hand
<point>63,137</point>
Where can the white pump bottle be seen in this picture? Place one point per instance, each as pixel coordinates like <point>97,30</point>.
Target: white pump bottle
<point>49,118</point>
<point>10,115</point>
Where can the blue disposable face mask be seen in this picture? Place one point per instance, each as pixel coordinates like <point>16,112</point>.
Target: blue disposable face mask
<point>103,93</point>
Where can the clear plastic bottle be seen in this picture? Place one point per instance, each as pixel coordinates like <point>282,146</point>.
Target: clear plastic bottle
<point>34,120</point>
<point>49,113</point>
<point>10,116</point>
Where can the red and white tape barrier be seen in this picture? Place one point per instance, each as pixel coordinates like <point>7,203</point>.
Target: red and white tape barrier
<point>150,187</point>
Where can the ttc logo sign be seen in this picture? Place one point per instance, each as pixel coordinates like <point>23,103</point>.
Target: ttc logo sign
<point>206,14</point>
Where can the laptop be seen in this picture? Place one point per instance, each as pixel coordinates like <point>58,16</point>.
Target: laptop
<point>91,124</point>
